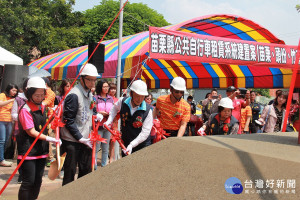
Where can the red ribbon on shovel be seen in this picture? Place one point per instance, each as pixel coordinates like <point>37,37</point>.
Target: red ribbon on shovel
<point>55,125</point>
<point>116,136</point>
<point>160,132</point>
<point>94,137</point>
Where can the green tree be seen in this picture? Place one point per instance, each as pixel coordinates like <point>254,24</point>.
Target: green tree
<point>136,18</point>
<point>298,7</point>
<point>46,26</point>
<point>263,92</point>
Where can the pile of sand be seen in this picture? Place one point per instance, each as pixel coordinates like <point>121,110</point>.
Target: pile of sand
<point>193,168</point>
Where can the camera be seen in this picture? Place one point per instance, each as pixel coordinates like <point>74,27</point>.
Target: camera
<point>243,91</point>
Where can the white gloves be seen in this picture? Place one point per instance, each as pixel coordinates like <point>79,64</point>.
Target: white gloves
<point>54,107</point>
<point>259,122</point>
<point>87,142</point>
<point>99,117</point>
<point>201,132</point>
<point>53,140</point>
<point>128,149</point>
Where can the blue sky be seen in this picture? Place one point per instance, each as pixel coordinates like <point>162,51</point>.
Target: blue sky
<point>278,16</point>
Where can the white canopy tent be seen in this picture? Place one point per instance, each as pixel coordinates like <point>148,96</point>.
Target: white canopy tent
<point>7,57</point>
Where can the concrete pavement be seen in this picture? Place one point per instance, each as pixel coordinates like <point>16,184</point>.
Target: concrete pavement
<point>11,191</point>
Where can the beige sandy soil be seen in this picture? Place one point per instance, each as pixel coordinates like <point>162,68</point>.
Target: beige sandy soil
<point>195,168</point>
<point>185,168</point>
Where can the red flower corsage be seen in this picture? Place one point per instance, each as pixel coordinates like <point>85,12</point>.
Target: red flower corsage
<point>177,114</point>
<point>138,122</point>
<point>92,105</point>
<point>226,125</point>
<point>225,128</point>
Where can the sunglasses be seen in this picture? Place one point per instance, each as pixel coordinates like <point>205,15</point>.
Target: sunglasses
<point>178,91</point>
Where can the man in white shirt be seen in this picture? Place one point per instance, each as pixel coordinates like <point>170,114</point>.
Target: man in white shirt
<point>136,118</point>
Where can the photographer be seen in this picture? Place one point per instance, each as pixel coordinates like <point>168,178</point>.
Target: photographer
<point>191,124</point>
<point>246,113</point>
<point>255,106</point>
<point>238,104</point>
<point>210,104</point>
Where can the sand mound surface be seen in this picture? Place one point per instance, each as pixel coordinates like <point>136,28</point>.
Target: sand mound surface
<point>195,168</point>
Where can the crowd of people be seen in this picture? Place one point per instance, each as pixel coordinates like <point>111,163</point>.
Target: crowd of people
<point>31,106</point>
<point>240,113</point>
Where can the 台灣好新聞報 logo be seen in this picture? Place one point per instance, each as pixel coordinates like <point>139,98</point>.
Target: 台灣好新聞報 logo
<point>233,185</point>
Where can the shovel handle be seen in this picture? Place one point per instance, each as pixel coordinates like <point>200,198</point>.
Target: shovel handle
<point>57,134</point>
<point>93,156</point>
<point>94,132</point>
<point>113,133</point>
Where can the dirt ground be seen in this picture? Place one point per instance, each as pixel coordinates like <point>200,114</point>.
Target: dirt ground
<point>197,168</point>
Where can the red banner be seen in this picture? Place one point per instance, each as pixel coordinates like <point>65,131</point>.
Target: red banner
<point>175,45</point>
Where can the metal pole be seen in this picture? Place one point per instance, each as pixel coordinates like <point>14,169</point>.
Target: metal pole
<point>117,147</point>
<point>120,51</point>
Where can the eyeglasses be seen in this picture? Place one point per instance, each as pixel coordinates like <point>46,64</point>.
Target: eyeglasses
<point>38,96</point>
<point>91,80</point>
<point>178,91</point>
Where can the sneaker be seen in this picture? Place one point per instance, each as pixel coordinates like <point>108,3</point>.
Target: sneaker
<point>5,163</point>
<point>48,163</point>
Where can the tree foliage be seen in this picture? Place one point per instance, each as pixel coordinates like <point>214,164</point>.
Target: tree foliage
<point>49,26</point>
<point>263,92</point>
<point>45,25</point>
<point>298,7</point>
<point>136,18</point>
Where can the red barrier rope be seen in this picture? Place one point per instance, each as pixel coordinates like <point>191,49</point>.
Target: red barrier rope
<point>51,117</point>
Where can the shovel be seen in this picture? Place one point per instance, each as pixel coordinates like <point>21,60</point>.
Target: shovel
<point>55,167</point>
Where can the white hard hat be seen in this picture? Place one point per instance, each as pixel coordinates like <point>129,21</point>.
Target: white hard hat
<point>89,70</point>
<point>178,83</point>
<point>36,82</point>
<point>226,103</point>
<point>139,87</point>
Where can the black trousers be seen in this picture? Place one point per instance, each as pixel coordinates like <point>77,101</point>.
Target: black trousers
<point>188,126</point>
<point>172,133</point>
<point>253,127</point>
<point>77,154</point>
<point>32,174</point>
